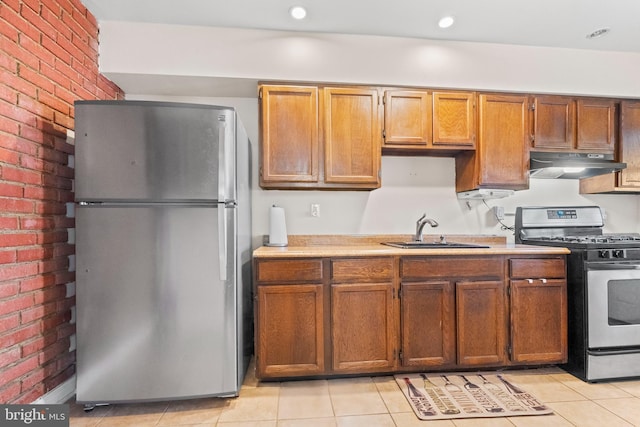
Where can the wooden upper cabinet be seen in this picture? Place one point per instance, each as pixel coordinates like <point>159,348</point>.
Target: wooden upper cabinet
<point>416,120</point>
<point>407,118</point>
<point>352,136</point>
<point>454,119</point>
<point>553,122</point>
<point>332,137</point>
<point>569,124</point>
<point>313,137</point>
<point>595,124</point>
<point>628,179</point>
<point>630,143</point>
<point>501,159</point>
<point>289,134</point>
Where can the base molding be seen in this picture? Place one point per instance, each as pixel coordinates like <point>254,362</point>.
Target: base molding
<point>58,395</point>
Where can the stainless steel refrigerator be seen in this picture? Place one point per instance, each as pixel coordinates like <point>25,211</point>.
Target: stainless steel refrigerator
<point>163,251</point>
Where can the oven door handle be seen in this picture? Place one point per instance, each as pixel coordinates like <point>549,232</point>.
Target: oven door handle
<point>613,352</point>
<point>613,266</point>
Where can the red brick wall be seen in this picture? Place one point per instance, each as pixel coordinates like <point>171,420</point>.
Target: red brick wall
<point>48,59</point>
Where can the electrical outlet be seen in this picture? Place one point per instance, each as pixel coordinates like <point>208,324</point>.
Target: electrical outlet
<point>315,210</point>
<point>498,211</point>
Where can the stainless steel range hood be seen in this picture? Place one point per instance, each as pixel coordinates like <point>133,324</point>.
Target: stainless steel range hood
<point>572,165</point>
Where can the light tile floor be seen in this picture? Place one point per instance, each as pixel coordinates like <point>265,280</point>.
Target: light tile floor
<point>371,402</point>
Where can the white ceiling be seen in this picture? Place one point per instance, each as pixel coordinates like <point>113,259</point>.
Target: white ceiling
<point>552,23</point>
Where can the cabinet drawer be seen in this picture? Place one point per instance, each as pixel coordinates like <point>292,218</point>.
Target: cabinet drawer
<point>451,267</point>
<point>537,268</point>
<point>286,270</point>
<point>362,269</point>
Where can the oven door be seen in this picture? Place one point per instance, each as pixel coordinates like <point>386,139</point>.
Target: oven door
<point>613,304</point>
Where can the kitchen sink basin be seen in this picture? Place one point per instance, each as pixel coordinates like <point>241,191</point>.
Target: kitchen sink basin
<point>433,245</point>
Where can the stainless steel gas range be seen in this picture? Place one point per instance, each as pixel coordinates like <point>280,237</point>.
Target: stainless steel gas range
<point>603,286</point>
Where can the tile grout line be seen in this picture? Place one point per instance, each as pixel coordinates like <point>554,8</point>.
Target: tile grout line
<point>613,413</point>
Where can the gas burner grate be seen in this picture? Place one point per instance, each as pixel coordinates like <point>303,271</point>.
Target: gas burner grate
<point>600,238</point>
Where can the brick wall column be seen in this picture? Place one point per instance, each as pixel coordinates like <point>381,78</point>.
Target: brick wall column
<point>48,59</point>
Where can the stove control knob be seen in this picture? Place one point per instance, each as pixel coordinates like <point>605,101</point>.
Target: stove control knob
<point>619,253</point>
<point>604,253</point>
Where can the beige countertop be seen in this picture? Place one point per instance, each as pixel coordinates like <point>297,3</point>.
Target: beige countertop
<point>348,245</point>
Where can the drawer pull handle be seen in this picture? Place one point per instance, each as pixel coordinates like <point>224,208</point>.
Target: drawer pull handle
<point>543,280</point>
<point>530,280</point>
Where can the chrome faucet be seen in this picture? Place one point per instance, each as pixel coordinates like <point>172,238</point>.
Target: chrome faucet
<point>420,225</point>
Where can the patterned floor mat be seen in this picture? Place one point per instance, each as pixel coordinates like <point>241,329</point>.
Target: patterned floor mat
<point>437,396</point>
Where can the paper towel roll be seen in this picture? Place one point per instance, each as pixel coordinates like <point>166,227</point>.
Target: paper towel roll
<point>277,227</point>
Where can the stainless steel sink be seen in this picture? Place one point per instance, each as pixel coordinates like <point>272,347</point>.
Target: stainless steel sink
<point>433,245</point>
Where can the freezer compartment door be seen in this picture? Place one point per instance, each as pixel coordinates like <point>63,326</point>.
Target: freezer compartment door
<point>155,321</point>
<point>154,151</point>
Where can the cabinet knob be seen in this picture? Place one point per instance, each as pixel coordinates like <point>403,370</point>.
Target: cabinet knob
<point>543,280</point>
<point>530,280</point>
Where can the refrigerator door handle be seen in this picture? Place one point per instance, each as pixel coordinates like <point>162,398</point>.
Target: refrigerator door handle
<point>222,241</point>
<point>222,159</point>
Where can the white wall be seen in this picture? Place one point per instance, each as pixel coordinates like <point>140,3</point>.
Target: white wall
<point>154,50</point>
<point>196,64</point>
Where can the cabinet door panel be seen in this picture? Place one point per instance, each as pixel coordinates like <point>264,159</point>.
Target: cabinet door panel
<point>538,321</point>
<point>352,136</point>
<point>428,324</point>
<point>630,143</point>
<point>454,118</point>
<point>504,158</point>
<point>362,327</point>
<point>290,330</point>
<point>407,118</point>
<point>481,323</point>
<point>554,122</point>
<point>595,119</point>
<point>289,131</point>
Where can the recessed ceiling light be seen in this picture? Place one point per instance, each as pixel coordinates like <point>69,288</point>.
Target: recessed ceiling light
<point>598,33</point>
<point>446,22</point>
<point>298,12</point>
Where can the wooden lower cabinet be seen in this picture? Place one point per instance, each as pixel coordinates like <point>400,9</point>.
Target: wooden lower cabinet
<point>428,324</point>
<point>453,324</point>
<point>362,327</point>
<point>320,317</point>
<point>481,328</point>
<point>452,312</point>
<point>290,305</point>
<point>538,321</point>
<point>538,309</point>
<point>290,330</point>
